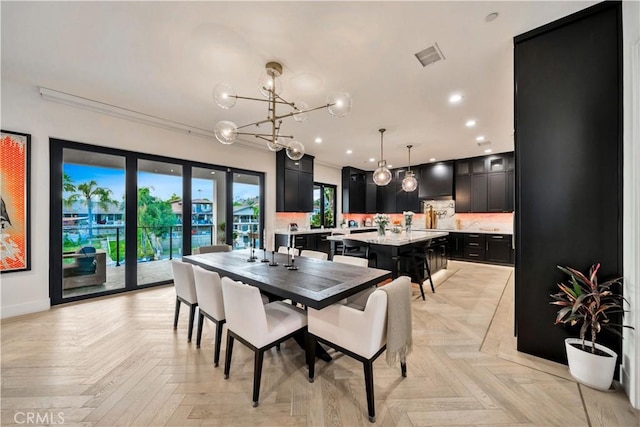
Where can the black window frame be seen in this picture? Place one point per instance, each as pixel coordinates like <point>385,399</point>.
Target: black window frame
<point>322,210</point>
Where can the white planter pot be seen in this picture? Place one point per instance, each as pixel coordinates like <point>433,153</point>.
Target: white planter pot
<point>590,369</point>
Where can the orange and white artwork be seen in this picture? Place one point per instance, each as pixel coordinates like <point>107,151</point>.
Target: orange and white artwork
<point>14,201</point>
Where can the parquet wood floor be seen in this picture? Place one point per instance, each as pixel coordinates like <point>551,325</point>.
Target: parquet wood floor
<point>117,361</point>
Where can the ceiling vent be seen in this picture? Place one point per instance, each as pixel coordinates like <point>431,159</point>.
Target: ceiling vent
<point>483,143</point>
<point>430,55</point>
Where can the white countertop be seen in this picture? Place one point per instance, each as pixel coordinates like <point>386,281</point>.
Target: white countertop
<point>325,230</point>
<point>393,239</point>
<point>467,231</point>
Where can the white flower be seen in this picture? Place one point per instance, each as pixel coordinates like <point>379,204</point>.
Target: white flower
<point>408,213</point>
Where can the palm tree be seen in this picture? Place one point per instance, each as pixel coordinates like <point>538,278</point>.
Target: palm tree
<point>86,193</point>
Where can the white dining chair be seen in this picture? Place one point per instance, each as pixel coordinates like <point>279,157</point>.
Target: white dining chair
<point>292,251</point>
<point>210,305</point>
<point>351,260</point>
<point>212,248</point>
<point>308,253</point>
<point>185,292</point>
<point>362,334</point>
<point>257,326</point>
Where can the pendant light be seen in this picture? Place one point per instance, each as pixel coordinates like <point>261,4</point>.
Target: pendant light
<point>409,183</point>
<point>382,175</point>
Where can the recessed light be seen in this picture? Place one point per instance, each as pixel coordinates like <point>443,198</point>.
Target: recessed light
<point>470,123</point>
<point>480,138</point>
<point>349,151</point>
<point>491,17</point>
<point>432,159</point>
<point>389,166</point>
<point>455,98</point>
<point>171,170</point>
<point>213,173</point>
<point>318,140</point>
<point>372,159</point>
<point>488,150</point>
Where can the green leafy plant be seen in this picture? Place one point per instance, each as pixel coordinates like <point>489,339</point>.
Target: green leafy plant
<point>588,303</point>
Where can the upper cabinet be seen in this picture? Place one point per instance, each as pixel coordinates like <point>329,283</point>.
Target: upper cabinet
<point>294,183</point>
<point>354,190</point>
<point>485,184</point>
<point>435,180</point>
<point>405,201</point>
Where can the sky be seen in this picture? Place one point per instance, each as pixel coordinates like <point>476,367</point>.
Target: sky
<point>163,185</point>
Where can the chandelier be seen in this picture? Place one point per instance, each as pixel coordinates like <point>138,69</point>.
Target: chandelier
<point>409,183</point>
<point>382,175</point>
<point>338,105</point>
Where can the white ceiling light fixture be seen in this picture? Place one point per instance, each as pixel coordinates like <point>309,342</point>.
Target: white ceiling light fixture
<point>382,175</point>
<point>409,183</point>
<point>471,123</point>
<point>349,151</point>
<point>488,150</point>
<point>480,138</point>
<point>338,104</point>
<point>318,140</point>
<point>455,98</point>
<point>433,159</point>
<point>491,17</point>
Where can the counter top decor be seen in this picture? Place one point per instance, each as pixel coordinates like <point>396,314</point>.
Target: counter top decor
<point>381,221</point>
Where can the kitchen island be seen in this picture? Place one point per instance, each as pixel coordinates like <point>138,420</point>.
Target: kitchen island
<point>402,253</point>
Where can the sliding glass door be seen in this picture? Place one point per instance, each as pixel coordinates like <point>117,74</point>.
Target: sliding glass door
<point>119,217</point>
<point>159,219</point>
<point>208,207</point>
<point>93,222</point>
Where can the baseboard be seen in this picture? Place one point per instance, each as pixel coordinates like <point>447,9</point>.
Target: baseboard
<point>26,308</point>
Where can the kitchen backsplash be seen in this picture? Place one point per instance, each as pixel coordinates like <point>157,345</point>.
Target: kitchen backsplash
<point>283,219</point>
<point>448,219</point>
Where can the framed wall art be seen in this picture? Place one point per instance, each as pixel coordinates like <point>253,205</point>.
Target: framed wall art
<point>15,215</point>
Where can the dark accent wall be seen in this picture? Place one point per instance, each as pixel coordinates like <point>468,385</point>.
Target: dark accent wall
<point>568,149</point>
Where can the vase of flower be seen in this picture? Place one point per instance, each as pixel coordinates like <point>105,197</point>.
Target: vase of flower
<point>381,221</point>
<point>408,220</point>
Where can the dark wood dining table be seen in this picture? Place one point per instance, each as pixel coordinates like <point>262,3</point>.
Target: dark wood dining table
<point>316,283</point>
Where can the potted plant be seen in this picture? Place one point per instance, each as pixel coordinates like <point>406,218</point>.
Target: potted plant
<point>587,303</point>
<point>381,221</point>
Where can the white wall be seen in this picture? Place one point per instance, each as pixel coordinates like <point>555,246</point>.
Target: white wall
<point>24,111</point>
<point>631,209</point>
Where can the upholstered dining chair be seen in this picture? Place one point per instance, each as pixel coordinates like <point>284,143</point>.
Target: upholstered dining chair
<point>314,254</point>
<point>185,292</point>
<point>358,249</point>
<point>212,248</point>
<point>257,326</point>
<point>292,251</point>
<point>362,334</point>
<point>342,259</point>
<point>211,305</point>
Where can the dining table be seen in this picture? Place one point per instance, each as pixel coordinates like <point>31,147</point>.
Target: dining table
<point>314,283</point>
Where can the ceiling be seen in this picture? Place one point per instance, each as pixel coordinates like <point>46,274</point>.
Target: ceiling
<point>164,58</point>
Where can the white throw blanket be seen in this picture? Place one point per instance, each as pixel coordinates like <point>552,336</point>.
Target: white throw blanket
<point>399,332</point>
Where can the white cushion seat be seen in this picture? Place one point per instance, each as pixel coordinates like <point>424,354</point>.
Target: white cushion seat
<point>358,300</point>
<point>314,254</point>
<point>185,286</point>
<point>257,326</point>
<point>291,251</point>
<point>209,290</point>
<point>361,334</point>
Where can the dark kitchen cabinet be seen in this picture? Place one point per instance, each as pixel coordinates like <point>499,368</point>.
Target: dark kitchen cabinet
<point>371,194</point>
<point>479,193</point>
<point>463,193</point>
<point>498,248</point>
<point>497,192</point>
<point>294,183</point>
<point>354,190</point>
<point>474,246</point>
<point>311,241</point>
<point>456,245</point>
<point>435,180</point>
<point>387,198</point>
<point>485,184</point>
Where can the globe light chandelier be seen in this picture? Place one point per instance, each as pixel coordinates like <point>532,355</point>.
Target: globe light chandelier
<point>338,105</point>
<point>409,183</point>
<point>382,175</point>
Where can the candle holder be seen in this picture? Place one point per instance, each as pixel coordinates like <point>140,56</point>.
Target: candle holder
<point>253,250</point>
<point>289,260</point>
<point>264,255</point>
<point>252,257</point>
<point>273,262</point>
<point>292,266</point>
